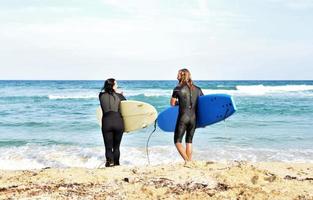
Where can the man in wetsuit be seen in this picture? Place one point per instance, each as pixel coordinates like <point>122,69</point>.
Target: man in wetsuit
<point>185,94</point>
<point>112,122</point>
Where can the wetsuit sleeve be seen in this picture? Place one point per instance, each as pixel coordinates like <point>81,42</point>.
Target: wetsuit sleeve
<point>100,93</point>
<point>200,92</point>
<point>175,93</point>
<point>122,98</point>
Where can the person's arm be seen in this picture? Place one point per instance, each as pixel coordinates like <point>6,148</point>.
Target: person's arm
<point>99,96</point>
<point>174,98</point>
<point>173,101</point>
<point>122,98</point>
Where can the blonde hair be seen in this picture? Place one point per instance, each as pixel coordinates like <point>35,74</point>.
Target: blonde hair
<point>184,78</point>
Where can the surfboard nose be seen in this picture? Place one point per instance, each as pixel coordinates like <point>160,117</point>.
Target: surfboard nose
<point>233,104</point>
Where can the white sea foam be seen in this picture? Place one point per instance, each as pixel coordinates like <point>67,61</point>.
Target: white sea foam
<point>257,155</point>
<point>241,90</point>
<point>212,91</point>
<point>73,96</point>
<point>127,93</point>
<point>37,157</point>
<point>148,92</point>
<point>261,89</point>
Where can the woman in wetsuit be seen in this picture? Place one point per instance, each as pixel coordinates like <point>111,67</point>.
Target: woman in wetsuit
<point>185,94</point>
<point>112,122</point>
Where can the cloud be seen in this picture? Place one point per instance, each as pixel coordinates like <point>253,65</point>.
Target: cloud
<point>196,11</point>
<point>141,34</point>
<point>295,4</point>
<point>300,4</point>
<point>124,39</point>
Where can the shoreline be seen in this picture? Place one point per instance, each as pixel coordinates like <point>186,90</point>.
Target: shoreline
<point>203,180</point>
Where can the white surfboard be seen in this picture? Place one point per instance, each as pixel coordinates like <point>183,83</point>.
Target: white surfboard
<point>136,115</point>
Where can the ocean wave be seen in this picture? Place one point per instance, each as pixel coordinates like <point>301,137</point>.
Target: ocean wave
<point>23,97</point>
<point>73,96</point>
<point>24,123</point>
<point>148,92</point>
<point>127,93</point>
<point>33,156</point>
<point>214,91</point>
<point>239,90</point>
<point>261,89</point>
<point>59,156</point>
<point>50,96</point>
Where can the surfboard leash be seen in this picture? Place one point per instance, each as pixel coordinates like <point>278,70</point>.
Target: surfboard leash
<point>147,144</point>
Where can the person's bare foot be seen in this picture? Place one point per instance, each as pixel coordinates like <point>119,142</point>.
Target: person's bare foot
<point>189,164</point>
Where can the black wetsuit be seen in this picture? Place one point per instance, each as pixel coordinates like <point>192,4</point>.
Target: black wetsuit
<point>112,125</point>
<point>186,121</point>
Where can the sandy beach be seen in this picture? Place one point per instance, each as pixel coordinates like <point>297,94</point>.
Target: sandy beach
<point>203,180</point>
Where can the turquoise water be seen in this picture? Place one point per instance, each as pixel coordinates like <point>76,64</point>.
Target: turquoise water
<point>53,124</point>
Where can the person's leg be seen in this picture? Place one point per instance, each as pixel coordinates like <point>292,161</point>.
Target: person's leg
<point>117,138</point>
<point>108,143</point>
<point>180,148</point>
<point>189,136</point>
<point>118,129</point>
<point>189,151</point>
<point>178,136</point>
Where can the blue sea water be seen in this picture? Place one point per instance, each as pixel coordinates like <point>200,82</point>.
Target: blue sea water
<point>53,124</point>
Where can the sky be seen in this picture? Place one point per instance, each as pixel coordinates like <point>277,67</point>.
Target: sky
<point>152,39</point>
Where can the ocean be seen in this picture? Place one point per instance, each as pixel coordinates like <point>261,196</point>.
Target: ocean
<point>53,124</point>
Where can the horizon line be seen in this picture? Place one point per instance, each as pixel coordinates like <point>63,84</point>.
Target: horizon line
<point>156,80</point>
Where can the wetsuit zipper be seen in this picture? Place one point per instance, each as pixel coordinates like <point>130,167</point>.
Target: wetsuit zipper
<point>110,102</point>
<point>190,96</point>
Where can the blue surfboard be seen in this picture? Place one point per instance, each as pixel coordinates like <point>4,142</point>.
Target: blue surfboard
<point>211,109</point>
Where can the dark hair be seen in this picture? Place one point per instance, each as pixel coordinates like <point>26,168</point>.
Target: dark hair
<point>108,86</point>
